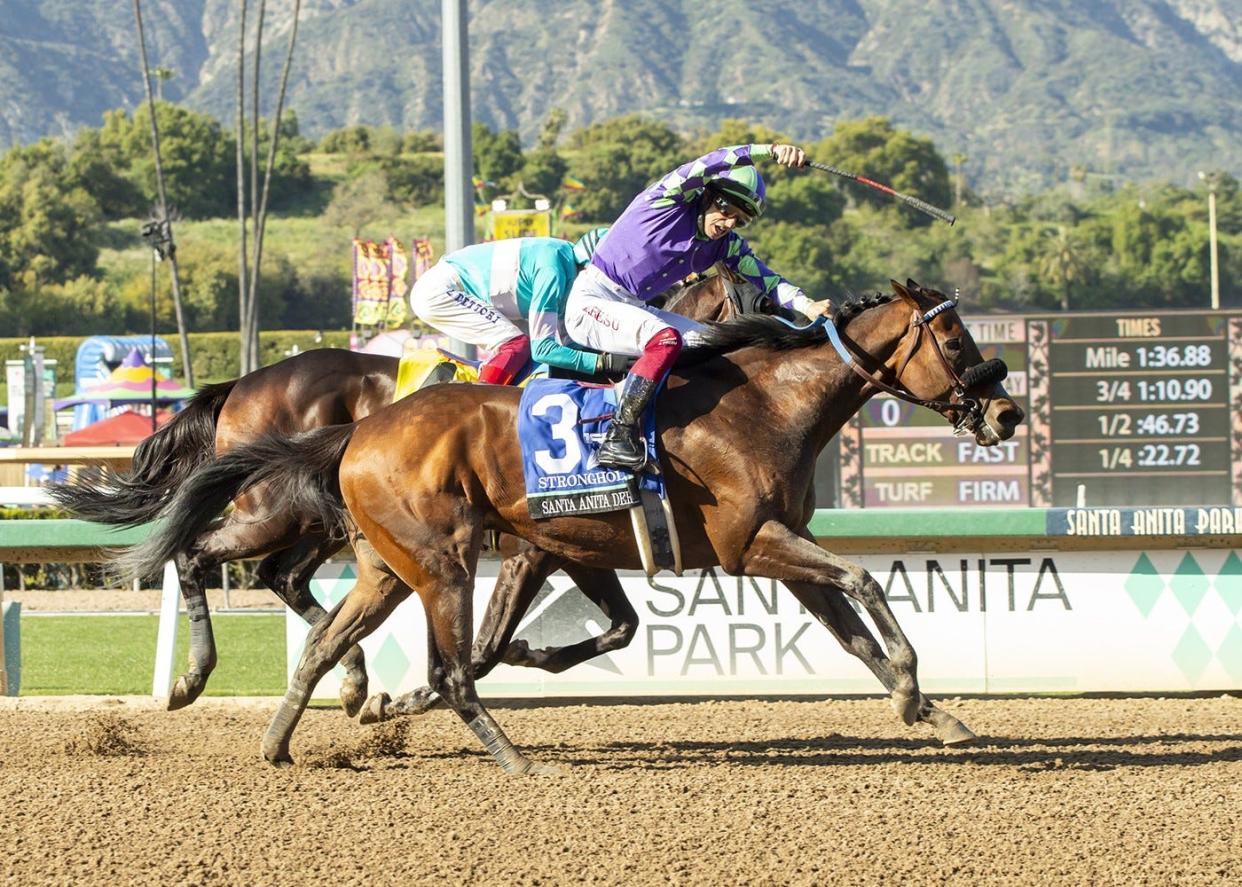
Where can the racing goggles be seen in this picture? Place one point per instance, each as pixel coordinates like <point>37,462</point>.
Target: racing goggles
<point>731,210</point>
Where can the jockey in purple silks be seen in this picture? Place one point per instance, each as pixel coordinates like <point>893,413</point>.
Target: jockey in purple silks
<point>684,223</point>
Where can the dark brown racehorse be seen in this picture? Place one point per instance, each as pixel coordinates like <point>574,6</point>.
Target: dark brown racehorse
<point>312,390</point>
<point>424,479</point>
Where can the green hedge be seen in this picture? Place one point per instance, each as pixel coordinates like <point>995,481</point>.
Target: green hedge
<point>215,354</point>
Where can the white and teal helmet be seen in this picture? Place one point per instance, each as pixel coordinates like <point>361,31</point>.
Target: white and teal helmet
<point>743,186</point>
<point>585,246</point>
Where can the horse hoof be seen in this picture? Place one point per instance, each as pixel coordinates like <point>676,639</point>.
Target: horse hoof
<point>186,689</point>
<point>517,653</point>
<point>537,769</point>
<point>906,705</point>
<point>373,711</point>
<point>279,758</point>
<point>353,695</point>
<point>956,734</point>
<point>949,730</point>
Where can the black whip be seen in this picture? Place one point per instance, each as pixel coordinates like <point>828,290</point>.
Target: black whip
<point>920,205</point>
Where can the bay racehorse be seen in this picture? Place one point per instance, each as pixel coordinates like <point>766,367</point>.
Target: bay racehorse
<point>316,388</point>
<point>424,479</point>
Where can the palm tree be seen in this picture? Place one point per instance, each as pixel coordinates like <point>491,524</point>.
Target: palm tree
<point>1060,262</point>
<point>959,159</point>
<point>162,75</point>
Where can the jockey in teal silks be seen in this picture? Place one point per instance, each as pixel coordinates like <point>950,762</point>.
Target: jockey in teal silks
<point>484,294</point>
<point>684,223</point>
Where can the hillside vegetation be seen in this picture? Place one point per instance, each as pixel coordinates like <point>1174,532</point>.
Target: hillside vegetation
<point>1025,92</point>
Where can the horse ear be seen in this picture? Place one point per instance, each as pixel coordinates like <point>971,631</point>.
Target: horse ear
<point>911,285</point>
<point>903,292</point>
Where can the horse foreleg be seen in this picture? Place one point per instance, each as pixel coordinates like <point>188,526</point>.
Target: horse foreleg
<point>602,588</point>
<point>288,573</point>
<point>373,597</point>
<point>521,576</point>
<point>777,552</point>
<point>835,613</point>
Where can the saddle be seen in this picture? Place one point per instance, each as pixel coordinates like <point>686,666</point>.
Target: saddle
<point>645,497</point>
<point>560,423</point>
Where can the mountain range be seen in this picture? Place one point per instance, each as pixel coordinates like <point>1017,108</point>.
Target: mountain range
<point>1022,92</point>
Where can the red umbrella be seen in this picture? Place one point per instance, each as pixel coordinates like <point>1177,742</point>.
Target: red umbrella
<point>124,428</point>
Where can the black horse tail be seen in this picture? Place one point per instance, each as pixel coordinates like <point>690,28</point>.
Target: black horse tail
<point>299,472</point>
<point>161,463</point>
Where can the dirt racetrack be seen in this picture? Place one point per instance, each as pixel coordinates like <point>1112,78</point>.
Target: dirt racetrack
<point>1078,791</point>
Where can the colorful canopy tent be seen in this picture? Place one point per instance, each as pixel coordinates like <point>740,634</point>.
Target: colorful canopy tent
<point>124,428</point>
<point>97,357</point>
<point>390,343</point>
<point>131,382</point>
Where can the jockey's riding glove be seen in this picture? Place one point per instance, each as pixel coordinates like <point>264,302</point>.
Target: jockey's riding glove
<point>614,363</point>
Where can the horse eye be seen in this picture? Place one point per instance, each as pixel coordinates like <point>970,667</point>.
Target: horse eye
<point>954,345</point>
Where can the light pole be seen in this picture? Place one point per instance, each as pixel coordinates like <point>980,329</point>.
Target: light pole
<point>1210,180</point>
<point>458,190</point>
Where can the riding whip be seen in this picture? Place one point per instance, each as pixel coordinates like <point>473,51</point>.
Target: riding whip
<point>920,205</point>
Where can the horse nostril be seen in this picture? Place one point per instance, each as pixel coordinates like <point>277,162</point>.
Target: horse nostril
<point>1010,417</point>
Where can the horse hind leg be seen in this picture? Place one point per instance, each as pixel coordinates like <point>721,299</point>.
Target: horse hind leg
<point>448,603</point>
<point>239,535</point>
<point>189,685</point>
<point>373,597</point>
<point>521,577</point>
<point>444,577</point>
<point>288,573</point>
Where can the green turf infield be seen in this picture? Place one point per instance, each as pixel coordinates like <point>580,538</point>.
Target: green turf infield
<point>115,655</point>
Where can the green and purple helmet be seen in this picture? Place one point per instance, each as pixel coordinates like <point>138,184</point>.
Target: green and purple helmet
<point>744,187</point>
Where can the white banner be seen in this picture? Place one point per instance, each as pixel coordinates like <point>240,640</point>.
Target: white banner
<point>1035,621</point>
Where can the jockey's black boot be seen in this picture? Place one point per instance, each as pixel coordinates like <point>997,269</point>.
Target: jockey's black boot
<point>623,445</point>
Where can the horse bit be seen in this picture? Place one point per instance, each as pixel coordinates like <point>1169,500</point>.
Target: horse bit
<point>965,412</point>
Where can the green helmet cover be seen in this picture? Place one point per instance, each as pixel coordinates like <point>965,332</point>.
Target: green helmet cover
<point>744,186</point>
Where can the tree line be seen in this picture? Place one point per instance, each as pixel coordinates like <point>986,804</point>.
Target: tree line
<point>1090,243</point>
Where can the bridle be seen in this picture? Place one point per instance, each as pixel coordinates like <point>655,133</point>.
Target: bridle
<point>964,411</point>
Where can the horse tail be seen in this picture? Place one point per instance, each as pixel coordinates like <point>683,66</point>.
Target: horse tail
<point>161,463</point>
<point>299,472</point>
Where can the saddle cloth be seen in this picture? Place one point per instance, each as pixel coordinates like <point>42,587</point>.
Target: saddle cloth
<point>559,429</point>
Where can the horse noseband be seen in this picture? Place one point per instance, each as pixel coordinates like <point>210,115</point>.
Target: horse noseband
<point>990,372</point>
<point>970,409</point>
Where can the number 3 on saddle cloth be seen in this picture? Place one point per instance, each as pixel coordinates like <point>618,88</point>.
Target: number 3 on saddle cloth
<point>560,425</point>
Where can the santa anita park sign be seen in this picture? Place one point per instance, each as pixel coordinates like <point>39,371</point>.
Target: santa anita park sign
<point>1128,614</point>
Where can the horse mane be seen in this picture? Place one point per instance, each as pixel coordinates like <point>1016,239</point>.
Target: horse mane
<point>767,331</point>
<point>853,305</point>
<point>746,330</point>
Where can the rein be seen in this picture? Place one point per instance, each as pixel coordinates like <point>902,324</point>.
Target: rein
<point>968,410</point>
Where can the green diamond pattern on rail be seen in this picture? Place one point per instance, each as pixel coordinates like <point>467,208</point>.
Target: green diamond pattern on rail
<point>1189,584</point>
<point>1229,583</point>
<point>1144,585</point>
<point>1229,654</point>
<point>330,592</point>
<point>1191,654</point>
<point>390,663</point>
